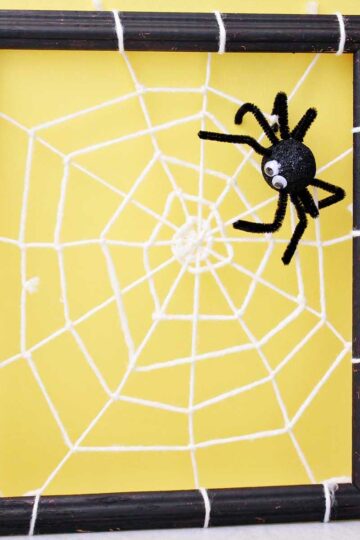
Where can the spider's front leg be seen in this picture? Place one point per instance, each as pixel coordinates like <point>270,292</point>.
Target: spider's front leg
<point>298,232</point>
<point>249,226</point>
<point>234,139</point>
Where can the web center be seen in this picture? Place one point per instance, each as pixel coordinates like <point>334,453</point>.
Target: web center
<point>192,242</point>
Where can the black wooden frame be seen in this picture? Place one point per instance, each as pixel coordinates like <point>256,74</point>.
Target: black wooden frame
<point>70,30</point>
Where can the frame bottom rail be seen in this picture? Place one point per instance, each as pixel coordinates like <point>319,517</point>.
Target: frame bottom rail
<point>175,509</point>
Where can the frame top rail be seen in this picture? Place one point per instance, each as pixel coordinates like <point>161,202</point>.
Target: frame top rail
<point>197,32</point>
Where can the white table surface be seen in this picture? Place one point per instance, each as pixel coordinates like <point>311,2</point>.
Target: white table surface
<point>349,530</point>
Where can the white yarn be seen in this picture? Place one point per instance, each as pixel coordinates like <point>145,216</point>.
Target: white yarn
<point>119,30</point>
<point>312,8</point>
<point>98,4</point>
<point>330,487</point>
<point>207,506</point>
<point>34,514</point>
<point>32,285</point>
<point>222,32</point>
<point>274,119</point>
<point>329,494</point>
<point>205,228</point>
<point>342,31</point>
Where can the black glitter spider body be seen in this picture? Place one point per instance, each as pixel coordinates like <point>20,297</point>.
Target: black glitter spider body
<point>288,166</point>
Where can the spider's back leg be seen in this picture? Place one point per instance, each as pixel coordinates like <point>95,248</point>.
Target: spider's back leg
<point>337,193</point>
<point>298,232</point>
<point>308,203</point>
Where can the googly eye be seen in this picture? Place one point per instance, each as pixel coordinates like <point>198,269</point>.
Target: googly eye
<point>271,168</point>
<point>279,182</point>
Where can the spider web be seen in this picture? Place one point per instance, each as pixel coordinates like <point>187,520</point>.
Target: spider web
<point>200,246</point>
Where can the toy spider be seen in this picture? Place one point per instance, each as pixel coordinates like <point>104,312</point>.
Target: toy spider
<point>288,166</point>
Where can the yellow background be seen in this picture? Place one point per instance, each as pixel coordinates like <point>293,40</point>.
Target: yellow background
<point>38,87</point>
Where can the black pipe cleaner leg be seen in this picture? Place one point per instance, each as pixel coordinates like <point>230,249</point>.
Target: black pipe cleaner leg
<point>338,194</point>
<point>280,109</point>
<point>250,107</point>
<point>305,122</point>
<point>250,226</point>
<point>235,139</point>
<point>298,232</point>
<point>308,203</point>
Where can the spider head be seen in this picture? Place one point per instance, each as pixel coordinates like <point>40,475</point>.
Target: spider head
<point>289,165</point>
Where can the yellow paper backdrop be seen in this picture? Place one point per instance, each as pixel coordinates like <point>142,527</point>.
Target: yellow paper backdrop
<point>56,381</point>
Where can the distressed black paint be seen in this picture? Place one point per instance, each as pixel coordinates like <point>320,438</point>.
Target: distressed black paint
<point>198,32</point>
<point>172,509</point>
